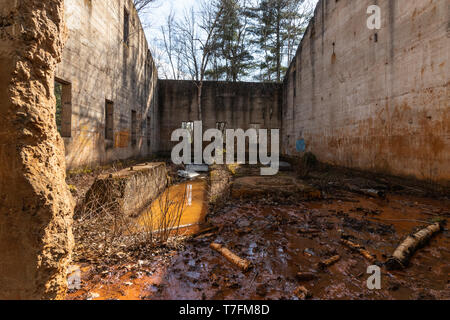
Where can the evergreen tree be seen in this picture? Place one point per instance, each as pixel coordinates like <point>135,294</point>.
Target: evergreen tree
<point>278,26</point>
<point>232,59</point>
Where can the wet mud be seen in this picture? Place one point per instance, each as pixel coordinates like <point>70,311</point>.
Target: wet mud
<point>286,245</point>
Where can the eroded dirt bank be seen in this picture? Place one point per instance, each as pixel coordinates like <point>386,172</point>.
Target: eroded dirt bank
<point>35,203</point>
<point>283,235</point>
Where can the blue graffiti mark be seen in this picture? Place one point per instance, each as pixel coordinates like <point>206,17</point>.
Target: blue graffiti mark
<point>301,145</point>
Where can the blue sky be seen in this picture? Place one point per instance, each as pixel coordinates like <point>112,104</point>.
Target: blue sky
<point>154,17</point>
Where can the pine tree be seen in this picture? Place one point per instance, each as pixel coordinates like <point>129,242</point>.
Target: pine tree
<point>232,59</point>
<point>278,26</point>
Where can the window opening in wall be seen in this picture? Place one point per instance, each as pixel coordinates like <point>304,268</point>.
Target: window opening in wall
<point>188,125</point>
<point>63,94</point>
<point>126,26</point>
<point>221,126</point>
<point>148,132</point>
<point>133,128</point>
<point>294,81</point>
<point>109,120</point>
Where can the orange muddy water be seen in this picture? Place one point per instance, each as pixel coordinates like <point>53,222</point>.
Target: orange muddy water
<point>188,199</point>
<point>275,239</point>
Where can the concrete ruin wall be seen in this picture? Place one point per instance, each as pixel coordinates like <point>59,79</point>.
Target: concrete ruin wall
<point>373,99</point>
<point>35,203</point>
<point>239,105</point>
<point>99,66</point>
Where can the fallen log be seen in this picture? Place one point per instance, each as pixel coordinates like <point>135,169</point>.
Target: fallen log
<point>307,231</point>
<point>328,262</point>
<point>243,264</point>
<point>206,235</point>
<point>411,244</point>
<point>366,254</point>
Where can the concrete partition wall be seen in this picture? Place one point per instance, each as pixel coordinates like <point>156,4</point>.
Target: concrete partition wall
<point>111,77</point>
<point>373,99</point>
<point>238,105</point>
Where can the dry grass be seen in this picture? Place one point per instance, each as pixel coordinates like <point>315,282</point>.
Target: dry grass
<point>103,234</point>
<point>161,224</point>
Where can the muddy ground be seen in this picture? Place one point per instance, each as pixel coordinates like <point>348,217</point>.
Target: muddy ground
<point>282,234</point>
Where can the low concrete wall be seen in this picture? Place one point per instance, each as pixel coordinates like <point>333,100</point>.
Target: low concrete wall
<point>130,191</point>
<point>375,100</point>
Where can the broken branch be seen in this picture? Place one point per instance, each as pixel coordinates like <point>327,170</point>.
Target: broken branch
<point>411,244</point>
<point>243,264</point>
<point>329,262</point>
<point>366,254</point>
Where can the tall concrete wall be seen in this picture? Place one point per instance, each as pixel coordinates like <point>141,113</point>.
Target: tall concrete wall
<point>373,99</point>
<point>239,105</point>
<point>35,202</point>
<point>99,65</point>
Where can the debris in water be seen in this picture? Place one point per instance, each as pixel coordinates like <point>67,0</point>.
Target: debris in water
<point>302,293</point>
<point>92,296</point>
<point>188,174</point>
<point>307,230</point>
<point>412,243</point>
<point>329,262</point>
<point>243,264</point>
<point>306,276</point>
<point>356,247</point>
<point>197,168</point>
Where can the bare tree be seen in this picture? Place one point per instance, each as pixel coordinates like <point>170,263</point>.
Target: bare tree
<point>171,46</point>
<point>142,4</point>
<point>197,35</point>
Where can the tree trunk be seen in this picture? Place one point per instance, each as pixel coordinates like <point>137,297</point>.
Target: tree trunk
<point>199,100</point>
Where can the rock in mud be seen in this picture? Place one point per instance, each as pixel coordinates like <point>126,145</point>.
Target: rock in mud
<point>261,290</point>
<point>305,276</point>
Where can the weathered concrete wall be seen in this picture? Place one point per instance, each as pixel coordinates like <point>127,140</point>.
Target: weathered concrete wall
<point>373,99</point>
<point>239,105</point>
<point>35,203</point>
<point>131,190</point>
<point>101,66</point>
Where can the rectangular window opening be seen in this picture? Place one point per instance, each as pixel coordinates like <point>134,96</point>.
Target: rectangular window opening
<point>109,120</point>
<point>126,26</point>
<point>188,125</point>
<point>148,132</point>
<point>63,95</point>
<point>133,128</point>
<point>294,80</point>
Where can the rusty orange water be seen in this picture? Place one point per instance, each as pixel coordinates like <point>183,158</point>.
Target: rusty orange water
<point>269,237</point>
<point>188,199</point>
